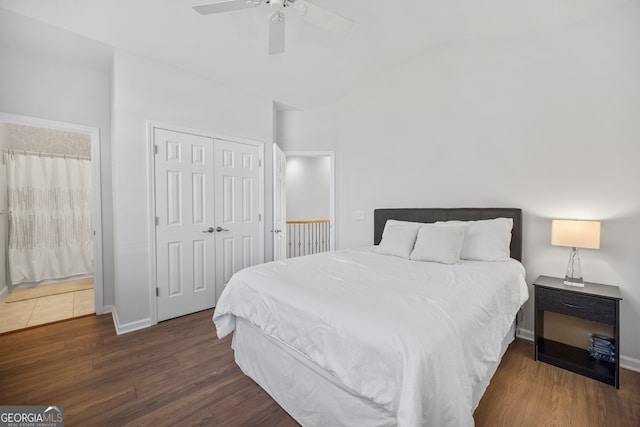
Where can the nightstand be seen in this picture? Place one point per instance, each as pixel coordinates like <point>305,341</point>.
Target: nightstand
<point>592,303</point>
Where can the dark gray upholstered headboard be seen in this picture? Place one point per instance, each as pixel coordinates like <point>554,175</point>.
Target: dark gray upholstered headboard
<point>381,216</point>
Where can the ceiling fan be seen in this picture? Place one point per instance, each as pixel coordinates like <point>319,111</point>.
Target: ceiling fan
<point>310,12</point>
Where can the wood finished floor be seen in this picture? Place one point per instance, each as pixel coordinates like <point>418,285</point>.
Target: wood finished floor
<point>179,374</point>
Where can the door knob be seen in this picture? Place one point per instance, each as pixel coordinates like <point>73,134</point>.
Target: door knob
<point>209,230</point>
<point>219,229</point>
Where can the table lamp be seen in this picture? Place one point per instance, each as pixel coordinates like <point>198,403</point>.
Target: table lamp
<point>575,234</point>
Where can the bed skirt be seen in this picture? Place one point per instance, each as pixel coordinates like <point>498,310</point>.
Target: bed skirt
<point>310,394</point>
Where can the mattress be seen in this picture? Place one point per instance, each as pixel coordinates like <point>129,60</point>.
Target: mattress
<point>416,339</point>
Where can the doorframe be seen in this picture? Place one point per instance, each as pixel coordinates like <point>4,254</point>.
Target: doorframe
<point>332,187</point>
<point>151,126</point>
<point>96,190</point>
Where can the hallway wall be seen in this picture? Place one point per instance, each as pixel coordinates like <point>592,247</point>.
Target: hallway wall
<point>308,188</point>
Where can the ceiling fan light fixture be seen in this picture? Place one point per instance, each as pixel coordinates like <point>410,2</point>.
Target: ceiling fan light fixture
<point>277,16</point>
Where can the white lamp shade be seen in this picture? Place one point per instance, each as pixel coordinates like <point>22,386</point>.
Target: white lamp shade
<point>575,234</point>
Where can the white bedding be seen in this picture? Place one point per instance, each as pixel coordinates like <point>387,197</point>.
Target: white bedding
<point>414,337</point>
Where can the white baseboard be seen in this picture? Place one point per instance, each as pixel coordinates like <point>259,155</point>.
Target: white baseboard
<point>630,363</point>
<point>626,362</point>
<point>525,334</point>
<point>107,309</point>
<point>128,327</point>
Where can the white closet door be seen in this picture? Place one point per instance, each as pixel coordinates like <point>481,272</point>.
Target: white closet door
<point>185,249</point>
<point>237,175</point>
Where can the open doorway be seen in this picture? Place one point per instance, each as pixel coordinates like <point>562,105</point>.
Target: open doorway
<point>310,215</point>
<point>50,222</point>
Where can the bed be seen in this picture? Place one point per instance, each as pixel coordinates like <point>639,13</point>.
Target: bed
<point>360,337</point>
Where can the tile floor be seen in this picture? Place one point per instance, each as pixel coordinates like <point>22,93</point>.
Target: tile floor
<point>47,309</point>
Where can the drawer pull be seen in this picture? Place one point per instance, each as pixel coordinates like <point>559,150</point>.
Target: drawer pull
<point>566,304</point>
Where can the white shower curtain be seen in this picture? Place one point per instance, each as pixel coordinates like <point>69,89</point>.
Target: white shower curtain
<point>50,226</point>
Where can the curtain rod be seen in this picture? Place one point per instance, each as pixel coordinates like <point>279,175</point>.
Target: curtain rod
<point>40,153</point>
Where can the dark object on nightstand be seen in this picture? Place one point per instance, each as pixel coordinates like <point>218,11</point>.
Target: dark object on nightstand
<point>594,302</point>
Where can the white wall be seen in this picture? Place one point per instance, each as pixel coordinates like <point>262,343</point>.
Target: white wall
<point>315,130</point>
<point>52,74</point>
<point>308,188</point>
<point>547,122</point>
<point>4,219</point>
<point>147,90</point>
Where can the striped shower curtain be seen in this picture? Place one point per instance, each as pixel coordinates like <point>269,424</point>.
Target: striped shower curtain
<point>50,227</point>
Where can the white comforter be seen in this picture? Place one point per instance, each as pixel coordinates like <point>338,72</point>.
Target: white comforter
<point>415,337</point>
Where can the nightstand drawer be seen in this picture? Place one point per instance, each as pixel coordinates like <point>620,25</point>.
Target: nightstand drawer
<point>577,305</point>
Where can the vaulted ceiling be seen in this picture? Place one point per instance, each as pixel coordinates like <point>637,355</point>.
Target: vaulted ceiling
<point>317,67</point>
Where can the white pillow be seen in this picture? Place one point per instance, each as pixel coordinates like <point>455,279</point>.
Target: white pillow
<point>439,243</point>
<point>398,238</point>
<point>416,225</point>
<point>487,240</point>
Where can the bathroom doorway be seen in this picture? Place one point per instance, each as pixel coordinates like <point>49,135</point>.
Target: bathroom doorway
<point>50,221</point>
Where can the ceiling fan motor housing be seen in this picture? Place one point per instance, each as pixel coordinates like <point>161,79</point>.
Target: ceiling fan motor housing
<point>277,5</point>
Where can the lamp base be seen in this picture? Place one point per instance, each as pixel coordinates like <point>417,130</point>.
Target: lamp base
<point>573,281</point>
<point>574,270</point>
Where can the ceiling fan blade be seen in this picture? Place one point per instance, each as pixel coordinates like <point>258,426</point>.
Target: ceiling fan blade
<point>276,33</point>
<point>223,6</point>
<point>323,18</point>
